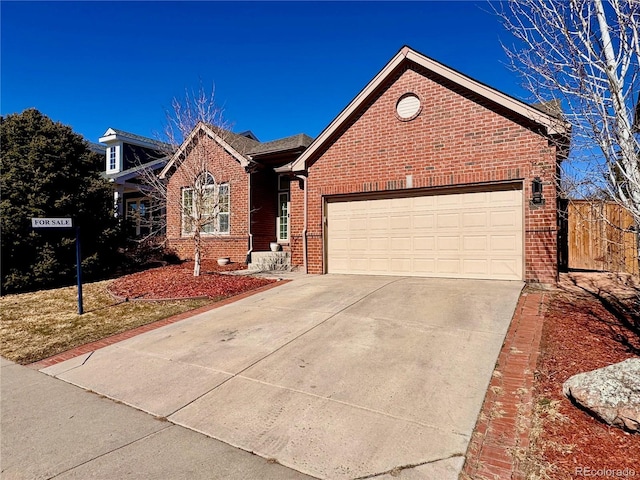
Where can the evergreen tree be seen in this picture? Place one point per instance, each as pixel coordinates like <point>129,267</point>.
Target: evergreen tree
<point>46,170</point>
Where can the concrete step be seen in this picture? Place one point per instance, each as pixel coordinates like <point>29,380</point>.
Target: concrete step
<point>268,261</point>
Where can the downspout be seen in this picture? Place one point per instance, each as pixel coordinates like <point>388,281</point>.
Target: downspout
<point>304,229</point>
<point>250,246</point>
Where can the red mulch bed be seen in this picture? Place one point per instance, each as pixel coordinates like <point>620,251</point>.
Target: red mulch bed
<point>580,335</point>
<point>177,281</point>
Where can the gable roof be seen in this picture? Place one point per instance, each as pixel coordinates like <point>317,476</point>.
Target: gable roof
<point>241,146</point>
<point>551,124</point>
<point>233,143</point>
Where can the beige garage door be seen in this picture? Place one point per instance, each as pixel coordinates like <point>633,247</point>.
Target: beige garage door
<point>460,235</point>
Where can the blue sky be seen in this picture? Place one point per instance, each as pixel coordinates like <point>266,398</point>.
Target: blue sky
<point>279,68</point>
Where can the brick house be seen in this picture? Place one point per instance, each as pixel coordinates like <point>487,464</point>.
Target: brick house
<point>427,172</point>
<point>251,199</point>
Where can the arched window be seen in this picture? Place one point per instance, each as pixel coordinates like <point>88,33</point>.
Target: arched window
<point>206,206</point>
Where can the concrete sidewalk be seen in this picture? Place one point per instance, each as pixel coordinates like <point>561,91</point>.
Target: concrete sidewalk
<point>51,429</point>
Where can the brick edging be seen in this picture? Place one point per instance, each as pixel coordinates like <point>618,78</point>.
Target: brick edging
<point>105,342</point>
<point>501,434</point>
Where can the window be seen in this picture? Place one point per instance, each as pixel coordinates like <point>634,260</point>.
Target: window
<point>112,158</point>
<point>139,213</point>
<point>207,205</point>
<point>283,217</point>
<point>282,220</point>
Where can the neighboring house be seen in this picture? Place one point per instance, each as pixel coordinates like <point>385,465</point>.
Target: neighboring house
<point>96,147</point>
<point>427,172</point>
<point>127,158</point>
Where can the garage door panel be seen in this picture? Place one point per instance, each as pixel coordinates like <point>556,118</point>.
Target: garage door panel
<point>400,222</point>
<point>401,204</point>
<point>427,266</point>
<point>358,264</point>
<point>475,219</point>
<point>448,220</point>
<point>423,220</point>
<point>423,202</point>
<point>424,243</point>
<point>475,243</point>
<point>464,235</point>
<point>505,267</point>
<point>448,265</point>
<point>379,223</point>
<point>340,263</point>
<point>358,223</point>
<point>474,199</point>
<point>504,218</point>
<point>401,244</point>
<point>475,266</point>
<point>401,265</point>
<point>448,200</point>
<point>340,245</point>
<point>505,197</point>
<point>379,265</point>
<point>379,243</point>
<point>448,243</point>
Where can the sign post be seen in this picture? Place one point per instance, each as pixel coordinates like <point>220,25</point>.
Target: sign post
<point>79,271</point>
<point>65,223</point>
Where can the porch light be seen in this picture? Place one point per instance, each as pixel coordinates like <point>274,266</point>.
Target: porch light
<point>536,191</point>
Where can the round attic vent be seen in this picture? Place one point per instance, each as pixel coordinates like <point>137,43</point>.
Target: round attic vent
<point>408,107</point>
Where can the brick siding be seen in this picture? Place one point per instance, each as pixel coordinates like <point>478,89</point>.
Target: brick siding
<point>455,140</point>
<point>225,169</point>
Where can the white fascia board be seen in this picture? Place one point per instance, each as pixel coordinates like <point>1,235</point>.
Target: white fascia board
<point>108,138</point>
<point>234,153</point>
<point>286,168</point>
<point>552,125</point>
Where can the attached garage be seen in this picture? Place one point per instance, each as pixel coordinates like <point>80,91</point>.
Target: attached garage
<point>428,172</point>
<point>457,234</point>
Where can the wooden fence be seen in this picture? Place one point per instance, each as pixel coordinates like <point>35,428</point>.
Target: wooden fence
<point>600,236</point>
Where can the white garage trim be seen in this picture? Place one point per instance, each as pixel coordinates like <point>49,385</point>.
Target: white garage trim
<point>459,234</point>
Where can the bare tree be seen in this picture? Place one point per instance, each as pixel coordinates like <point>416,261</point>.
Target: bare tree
<point>585,54</point>
<point>203,202</point>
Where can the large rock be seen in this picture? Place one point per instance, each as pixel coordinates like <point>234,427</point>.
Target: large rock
<point>611,393</point>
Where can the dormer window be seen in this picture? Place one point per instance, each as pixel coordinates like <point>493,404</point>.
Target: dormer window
<point>112,158</point>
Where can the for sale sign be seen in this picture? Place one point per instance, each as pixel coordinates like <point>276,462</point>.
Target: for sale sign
<point>51,223</point>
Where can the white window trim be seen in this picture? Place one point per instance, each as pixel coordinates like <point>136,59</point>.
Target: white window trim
<point>113,159</point>
<point>216,231</point>
<point>137,201</point>
<point>278,218</point>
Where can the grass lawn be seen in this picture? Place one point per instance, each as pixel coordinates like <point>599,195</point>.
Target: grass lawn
<point>37,325</point>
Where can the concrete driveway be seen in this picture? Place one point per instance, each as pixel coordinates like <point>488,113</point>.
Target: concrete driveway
<point>333,376</point>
